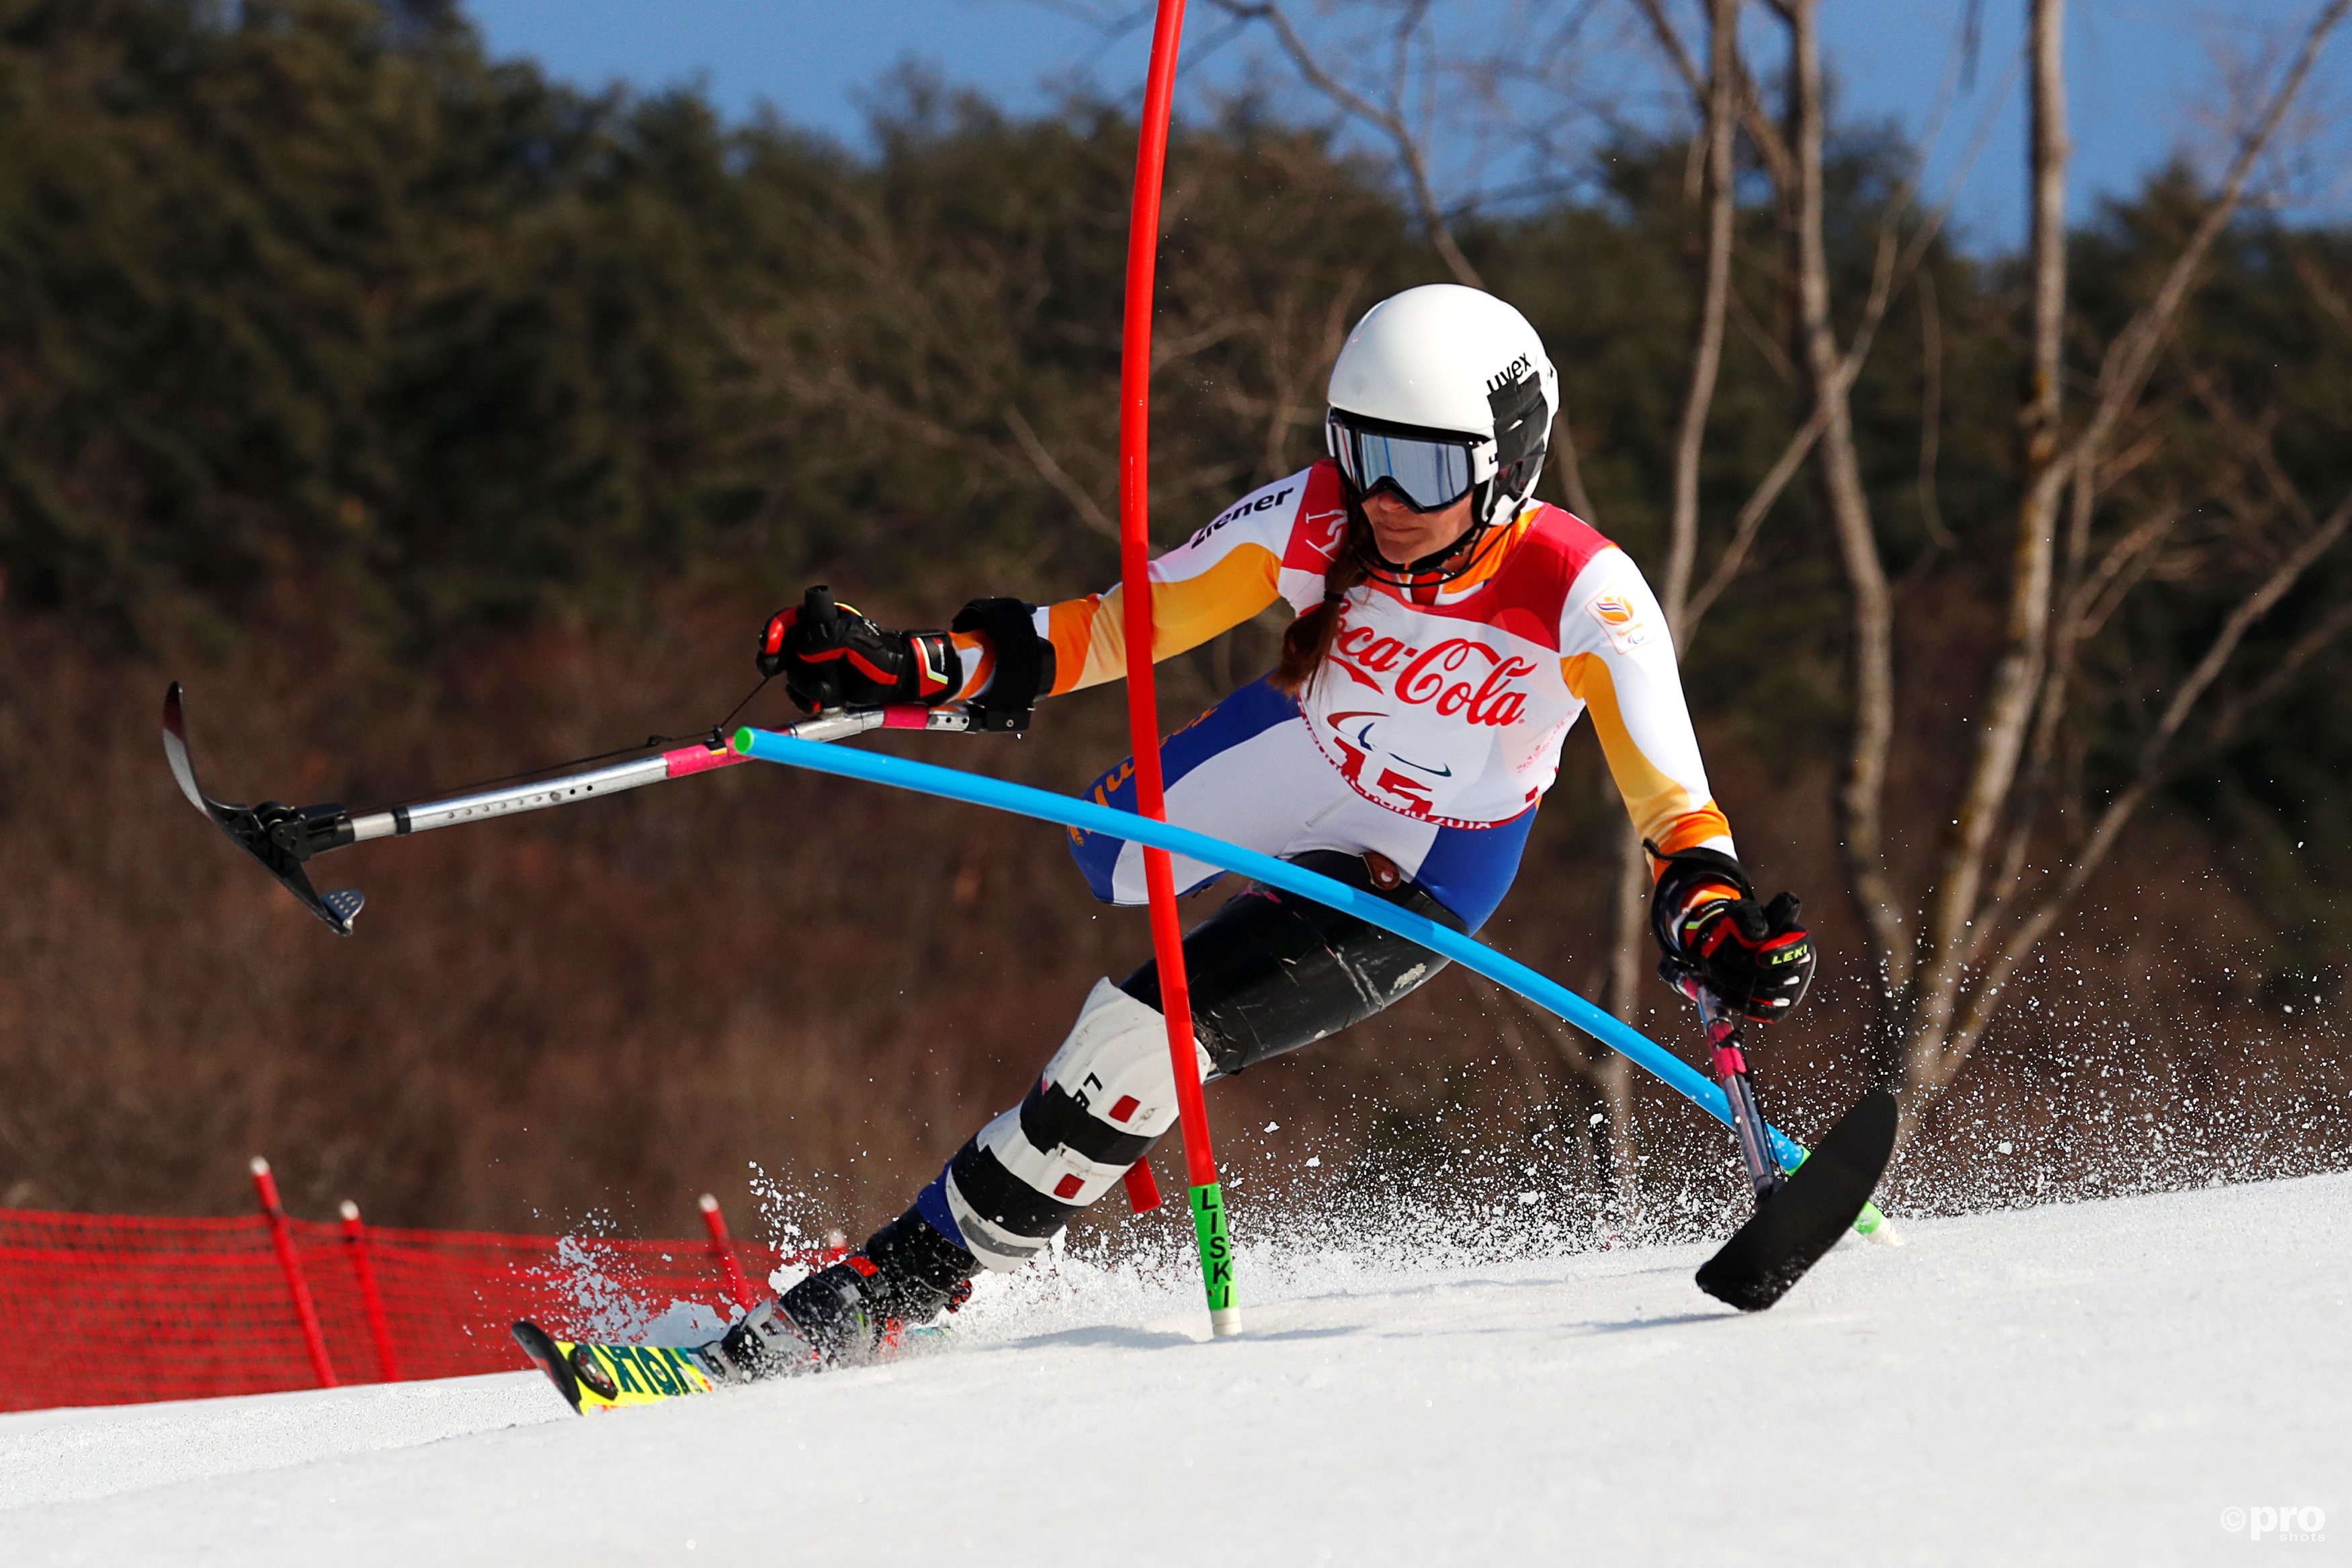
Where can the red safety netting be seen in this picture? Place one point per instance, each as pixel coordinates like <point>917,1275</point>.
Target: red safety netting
<point>111,1309</point>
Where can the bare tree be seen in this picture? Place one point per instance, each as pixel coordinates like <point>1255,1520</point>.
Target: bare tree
<point>1387,115</point>
<point>1382,108</point>
<point>1718,95</point>
<point>1725,98</point>
<point>1726,102</point>
<point>1942,983</point>
<point>1945,958</point>
<point>965,356</point>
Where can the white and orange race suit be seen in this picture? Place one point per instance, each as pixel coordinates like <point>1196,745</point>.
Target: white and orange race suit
<point>1437,725</point>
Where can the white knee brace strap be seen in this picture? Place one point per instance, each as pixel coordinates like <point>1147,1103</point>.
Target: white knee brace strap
<point>1115,1065</point>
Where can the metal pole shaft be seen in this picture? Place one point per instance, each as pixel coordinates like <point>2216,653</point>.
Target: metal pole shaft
<point>1731,1070</point>
<point>481,805</point>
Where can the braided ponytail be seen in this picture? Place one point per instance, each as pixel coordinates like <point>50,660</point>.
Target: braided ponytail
<point>1307,642</point>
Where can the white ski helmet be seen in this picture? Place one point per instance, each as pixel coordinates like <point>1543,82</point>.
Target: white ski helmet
<point>1442,392</point>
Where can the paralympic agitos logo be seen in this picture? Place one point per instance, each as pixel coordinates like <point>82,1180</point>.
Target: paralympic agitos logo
<point>1458,675</point>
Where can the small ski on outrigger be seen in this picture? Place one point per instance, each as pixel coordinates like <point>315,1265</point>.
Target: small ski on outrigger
<point>1800,1214</point>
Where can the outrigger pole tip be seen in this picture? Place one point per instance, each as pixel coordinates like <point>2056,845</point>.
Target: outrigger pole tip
<point>284,838</point>
<point>281,836</point>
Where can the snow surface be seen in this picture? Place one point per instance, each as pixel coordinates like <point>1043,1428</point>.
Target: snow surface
<point>2080,1384</point>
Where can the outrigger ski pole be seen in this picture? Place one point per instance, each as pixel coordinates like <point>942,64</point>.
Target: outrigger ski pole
<point>285,838</point>
<point>1800,1213</point>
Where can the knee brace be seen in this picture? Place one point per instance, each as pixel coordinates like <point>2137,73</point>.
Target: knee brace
<point>1271,971</point>
<point>1105,1097</point>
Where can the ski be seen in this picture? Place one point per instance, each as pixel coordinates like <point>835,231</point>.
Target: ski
<point>594,1377</point>
<point>1802,1218</point>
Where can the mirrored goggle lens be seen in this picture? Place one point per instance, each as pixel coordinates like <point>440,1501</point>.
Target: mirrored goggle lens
<point>1429,473</point>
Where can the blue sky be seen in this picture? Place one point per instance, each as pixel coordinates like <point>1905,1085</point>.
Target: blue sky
<point>2147,77</point>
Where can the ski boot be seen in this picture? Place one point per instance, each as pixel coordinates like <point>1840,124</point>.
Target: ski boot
<point>859,1309</point>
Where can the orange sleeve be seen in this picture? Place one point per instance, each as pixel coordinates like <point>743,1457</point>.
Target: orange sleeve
<point>1671,812</point>
<point>1192,601</point>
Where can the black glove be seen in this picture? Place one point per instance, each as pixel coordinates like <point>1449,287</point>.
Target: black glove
<point>831,656</point>
<point>1756,958</point>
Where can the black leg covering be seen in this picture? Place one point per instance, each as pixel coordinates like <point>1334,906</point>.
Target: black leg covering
<point>917,1270</point>
<point>1270,971</point>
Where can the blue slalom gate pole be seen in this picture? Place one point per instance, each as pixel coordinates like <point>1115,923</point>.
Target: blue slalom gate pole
<point>1022,799</point>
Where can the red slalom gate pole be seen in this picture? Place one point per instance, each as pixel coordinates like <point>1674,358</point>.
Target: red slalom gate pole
<point>364,1266</point>
<point>1142,695</point>
<point>306,1312</point>
<point>723,1248</point>
<point>1142,1191</point>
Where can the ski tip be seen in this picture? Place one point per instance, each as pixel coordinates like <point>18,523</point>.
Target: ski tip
<point>540,1346</point>
<point>1738,1287</point>
<point>175,749</point>
<point>251,829</point>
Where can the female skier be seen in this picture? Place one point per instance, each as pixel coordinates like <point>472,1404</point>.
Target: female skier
<point>1449,630</point>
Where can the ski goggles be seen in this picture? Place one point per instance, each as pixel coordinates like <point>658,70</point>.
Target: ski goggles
<point>1428,472</point>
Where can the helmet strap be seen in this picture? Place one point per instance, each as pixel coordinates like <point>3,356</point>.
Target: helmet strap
<point>1430,570</point>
